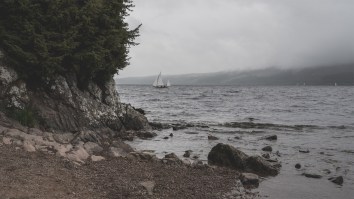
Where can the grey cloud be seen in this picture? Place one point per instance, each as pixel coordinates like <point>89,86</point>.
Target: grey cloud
<point>192,36</point>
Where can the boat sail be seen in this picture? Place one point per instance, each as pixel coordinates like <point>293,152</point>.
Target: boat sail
<point>158,83</point>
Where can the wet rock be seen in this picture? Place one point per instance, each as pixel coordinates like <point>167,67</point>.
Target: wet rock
<point>211,137</point>
<point>177,127</point>
<point>271,137</point>
<point>149,186</point>
<point>237,137</point>
<point>133,120</point>
<point>140,110</point>
<point>327,171</point>
<point>171,134</point>
<point>165,138</point>
<point>312,175</point>
<point>159,126</point>
<point>146,135</point>
<point>298,166</point>
<point>267,148</point>
<point>278,154</point>
<point>187,153</point>
<point>304,151</point>
<point>337,180</point>
<point>249,179</point>
<point>262,167</point>
<point>195,157</point>
<point>227,156</point>
<point>95,158</point>
<point>266,155</point>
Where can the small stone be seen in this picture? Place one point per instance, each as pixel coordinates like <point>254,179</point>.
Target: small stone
<point>171,155</point>
<point>6,140</point>
<point>237,137</point>
<point>266,155</point>
<point>271,137</point>
<point>312,175</point>
<point>249,179</point>
<point>95,158</point>
<point>304,151</point>
<point>267,148</point>
<point>171,134</point>
<point>146,135</point>
<point>27,146</point>
<point>166,138</point>
<point>187,154</point>
<point>195,157</point>
<point>149,186</point>
<point>211,137</point>
<point>298,166</point>
<point>337,180</point>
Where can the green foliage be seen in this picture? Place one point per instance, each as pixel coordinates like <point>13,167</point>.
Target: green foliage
<point>26,116</point>
<point>44,38</point>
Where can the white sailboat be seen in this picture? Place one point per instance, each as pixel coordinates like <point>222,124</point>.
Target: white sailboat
<point>158,83</point>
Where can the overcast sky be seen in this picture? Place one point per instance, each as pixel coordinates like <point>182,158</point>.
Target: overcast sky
<point>198,36</point>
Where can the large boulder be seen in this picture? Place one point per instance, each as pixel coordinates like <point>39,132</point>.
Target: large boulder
<point>228,156</point>
<point>261,166</point>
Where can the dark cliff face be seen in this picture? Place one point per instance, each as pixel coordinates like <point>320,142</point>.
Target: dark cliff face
<point>62,106</point>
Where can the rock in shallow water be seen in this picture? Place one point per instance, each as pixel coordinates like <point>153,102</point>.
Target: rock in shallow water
<point>211,137</point>
<point>187,154</point>
<point>337,180</point>
<point>262,167</point>
<point>304,151</point>
<point>228,156</point>
<point>271,137</point>
<point>266,155</point>
<point>267,148</point>
<point>312,175</point>
<point>298,166</point>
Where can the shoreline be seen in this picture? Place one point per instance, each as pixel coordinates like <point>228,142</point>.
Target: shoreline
<point>34,165</point>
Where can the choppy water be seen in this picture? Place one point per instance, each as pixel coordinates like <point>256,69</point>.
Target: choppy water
<point>320,119</point>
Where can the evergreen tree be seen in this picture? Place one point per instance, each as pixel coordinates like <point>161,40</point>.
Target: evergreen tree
<point>44,38</point>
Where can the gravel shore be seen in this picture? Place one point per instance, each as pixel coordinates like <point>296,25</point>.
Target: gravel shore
<point>40,175</point>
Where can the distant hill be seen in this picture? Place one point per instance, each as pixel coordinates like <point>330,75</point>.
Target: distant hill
<point>327,75</point>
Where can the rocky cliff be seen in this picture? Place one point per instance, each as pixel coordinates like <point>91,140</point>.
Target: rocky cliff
<point>60,106</point>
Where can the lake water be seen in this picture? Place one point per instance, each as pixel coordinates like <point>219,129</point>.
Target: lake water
<point>320,119</point>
